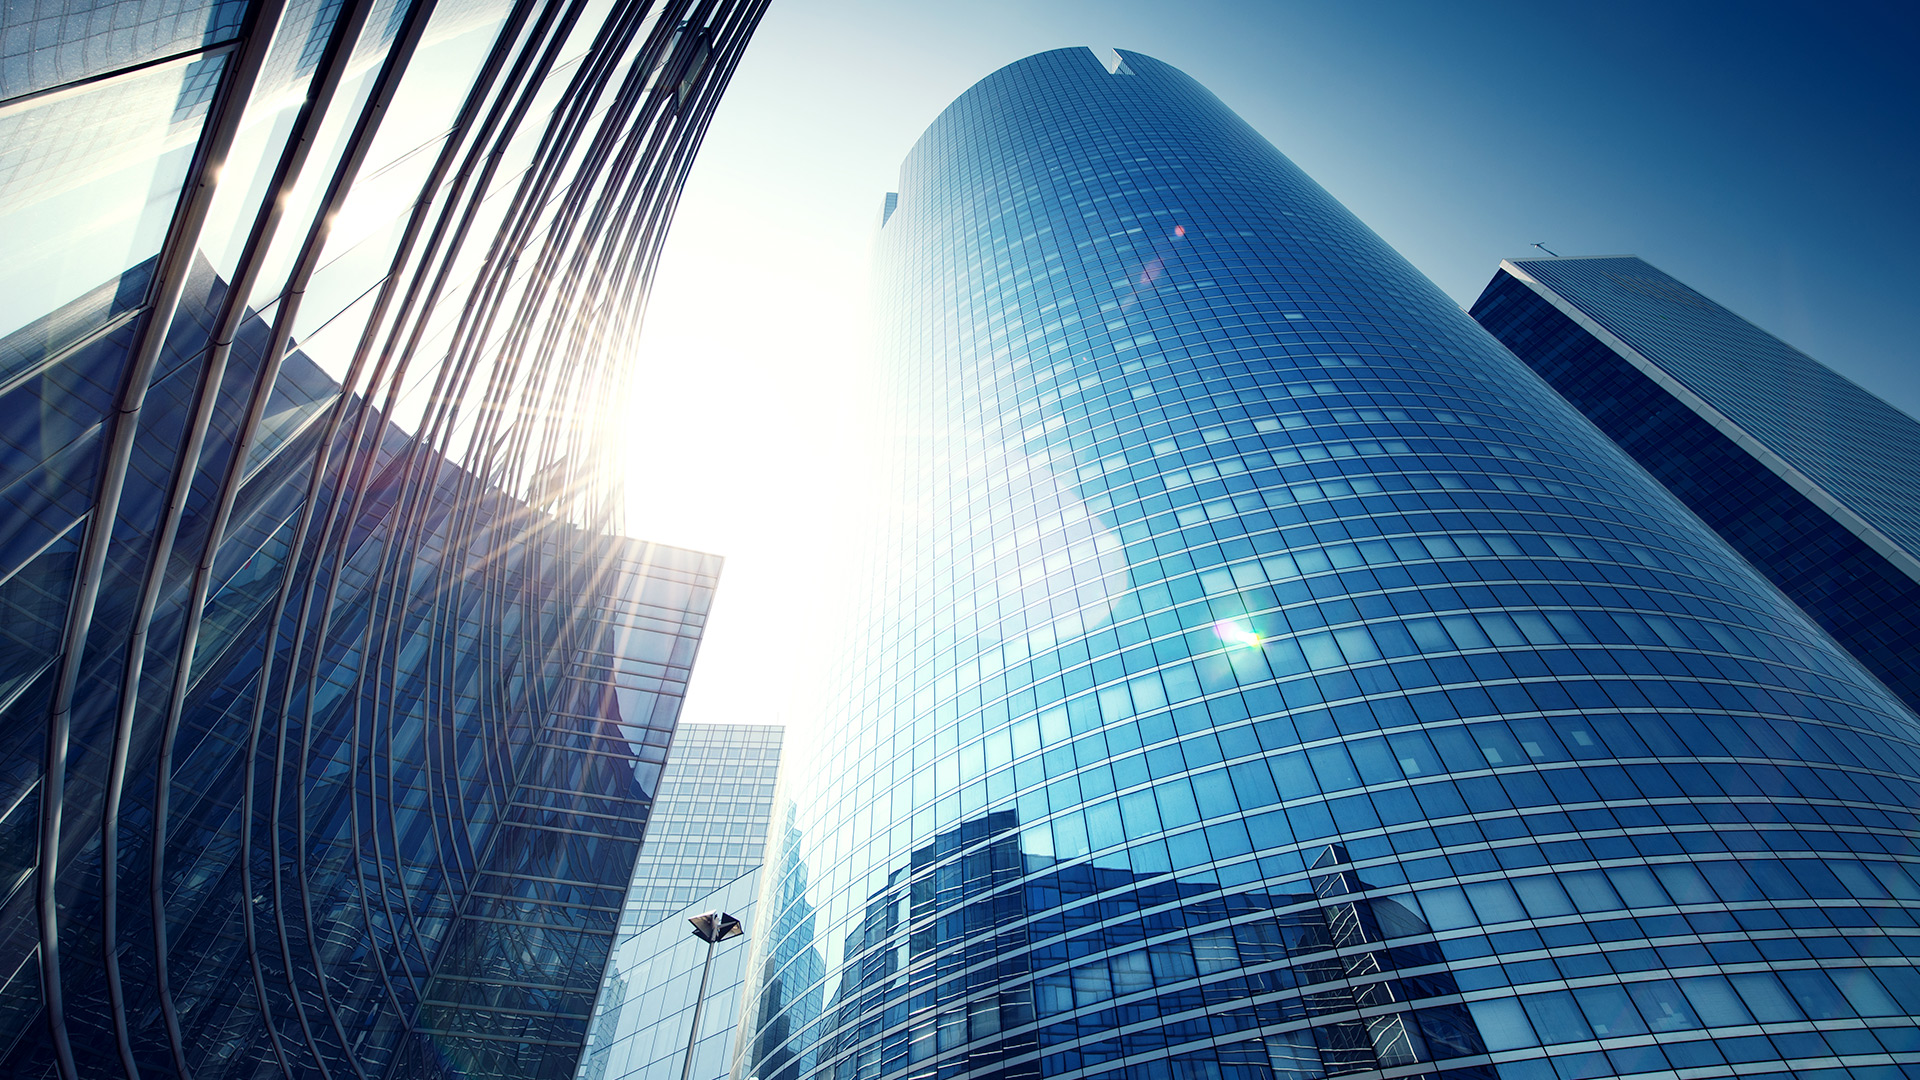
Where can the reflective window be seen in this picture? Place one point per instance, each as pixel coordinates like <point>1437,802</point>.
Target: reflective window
<point>1266,675</point>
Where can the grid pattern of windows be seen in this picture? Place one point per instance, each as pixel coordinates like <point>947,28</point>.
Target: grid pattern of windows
<point>332,699</point>
<point>703,852</point>
<point>1863,451</point>
<point>709,822</point>
<point>1266,675</point>
<point>1866,602</point>
<point>44,43</point>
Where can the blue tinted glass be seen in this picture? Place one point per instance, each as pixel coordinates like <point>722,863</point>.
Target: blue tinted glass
<point>47,45</point>
<point>1267,675</point>
<point>1802,472</point>
<point>387,813</point>
<point>1852,443</point>
<point>86,196</point>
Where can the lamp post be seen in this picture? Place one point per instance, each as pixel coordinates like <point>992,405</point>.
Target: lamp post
<point>713,928</point>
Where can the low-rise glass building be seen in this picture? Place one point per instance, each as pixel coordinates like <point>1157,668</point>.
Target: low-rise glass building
<point>705,846</point>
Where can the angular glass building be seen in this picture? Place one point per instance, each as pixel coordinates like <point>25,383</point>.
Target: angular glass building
<point>1267,675</point>
<point>705,847</point>
<point>1813,479</point>
<point>332,701</point>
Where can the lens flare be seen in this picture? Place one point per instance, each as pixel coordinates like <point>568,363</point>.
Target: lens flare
<point>1234,634</point>
<point>1179,230</point>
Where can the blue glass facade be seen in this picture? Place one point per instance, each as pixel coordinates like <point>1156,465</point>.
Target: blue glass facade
<point>332,701</point>
<point>1814,480</point>
<point>1266,675</point>
<point>705,846</point>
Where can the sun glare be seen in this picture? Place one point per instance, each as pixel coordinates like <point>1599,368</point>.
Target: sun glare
<point>1234,634</point>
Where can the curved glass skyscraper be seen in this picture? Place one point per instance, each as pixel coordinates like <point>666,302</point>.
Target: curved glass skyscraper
<point>1268,675</point>
<point>332,702</point>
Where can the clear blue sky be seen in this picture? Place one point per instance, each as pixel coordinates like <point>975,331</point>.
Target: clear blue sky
<point>1767,154</point>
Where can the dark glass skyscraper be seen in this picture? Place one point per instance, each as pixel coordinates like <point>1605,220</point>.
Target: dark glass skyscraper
<point>332,702</point>
<point>1268,676</point>
<point>1814,480</point>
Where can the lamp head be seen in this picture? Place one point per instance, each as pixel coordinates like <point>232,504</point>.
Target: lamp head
<point>716,926</point>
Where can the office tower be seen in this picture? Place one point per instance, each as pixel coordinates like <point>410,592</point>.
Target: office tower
<point>1266,675</point>
<point>1814,480</point>
<point>331,698</point>
<point>704,849</point>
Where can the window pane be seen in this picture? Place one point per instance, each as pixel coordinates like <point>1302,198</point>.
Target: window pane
<point>89,198</point>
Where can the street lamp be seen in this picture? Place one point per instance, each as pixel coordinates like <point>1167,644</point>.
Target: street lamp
<point>713,928</point>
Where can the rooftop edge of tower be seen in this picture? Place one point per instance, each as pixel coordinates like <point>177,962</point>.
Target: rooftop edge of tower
<point>1107,61</point>
<point>1567,258</point>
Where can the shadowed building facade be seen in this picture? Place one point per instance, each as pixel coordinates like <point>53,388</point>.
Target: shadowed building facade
<point>332,699</point>
<point>1266,675</point>
<point>1814,480</point>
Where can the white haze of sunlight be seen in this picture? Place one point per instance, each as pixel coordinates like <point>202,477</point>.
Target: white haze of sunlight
<point>745,439</point>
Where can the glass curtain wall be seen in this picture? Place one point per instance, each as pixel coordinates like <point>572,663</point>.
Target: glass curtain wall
<point>1266,675</point>
<point>704,851</point>
<point>1813,479</point>
<point>331,702</point>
